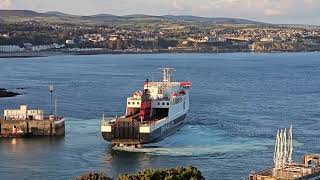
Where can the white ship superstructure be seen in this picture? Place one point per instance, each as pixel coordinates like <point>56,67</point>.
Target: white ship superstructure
<point>150,115</point>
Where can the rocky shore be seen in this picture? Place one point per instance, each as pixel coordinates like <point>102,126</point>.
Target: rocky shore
<point>266,47</point>
<point>189,173</point>
<point>256,48</point>
<point>5,93</point>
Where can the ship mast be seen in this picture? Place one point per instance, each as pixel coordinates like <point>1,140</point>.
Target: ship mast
<point>166,78</point>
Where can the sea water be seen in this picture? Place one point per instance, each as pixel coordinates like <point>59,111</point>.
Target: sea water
<point>238,101</point>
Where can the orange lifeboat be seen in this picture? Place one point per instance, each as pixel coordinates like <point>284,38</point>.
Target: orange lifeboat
<point>137,94</point>
<point>174,95</point>
<point>186,84</point>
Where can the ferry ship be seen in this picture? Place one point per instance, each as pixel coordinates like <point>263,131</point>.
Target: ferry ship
<point>151,115</point>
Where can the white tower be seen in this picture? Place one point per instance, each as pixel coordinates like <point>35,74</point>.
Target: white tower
<point>282,155</point>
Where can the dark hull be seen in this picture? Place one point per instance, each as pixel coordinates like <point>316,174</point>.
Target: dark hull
<point>152,137</point>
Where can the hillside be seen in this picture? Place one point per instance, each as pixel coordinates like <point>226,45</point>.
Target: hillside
<point>21,13</point>
<point>105,18</point>
<point>211,20</point>
<point>56,13</point>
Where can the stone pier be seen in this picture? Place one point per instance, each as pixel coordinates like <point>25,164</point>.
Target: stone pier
<point>31,127</point>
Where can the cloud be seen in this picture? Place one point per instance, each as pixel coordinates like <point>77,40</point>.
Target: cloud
<point>5,4</point>
<point>176,5</point>
<point>280,11</point>
<point>273,12</point>
<point>308,1</point>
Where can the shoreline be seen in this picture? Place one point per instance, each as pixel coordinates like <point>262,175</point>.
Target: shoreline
<point>115,52</point>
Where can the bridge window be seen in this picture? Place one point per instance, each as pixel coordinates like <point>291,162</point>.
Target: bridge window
<point>163,103</point>
<point>167,103</point>
<point>129,103</point>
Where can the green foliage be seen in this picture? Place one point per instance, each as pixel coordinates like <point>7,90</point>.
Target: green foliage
<point>93,176</point>
<point>165,43</point>
<point>179,173</point>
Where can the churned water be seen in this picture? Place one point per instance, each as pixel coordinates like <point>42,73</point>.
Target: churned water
<point>238,101</point>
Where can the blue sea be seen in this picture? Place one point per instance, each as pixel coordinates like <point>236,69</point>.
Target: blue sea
<point>238,102</point>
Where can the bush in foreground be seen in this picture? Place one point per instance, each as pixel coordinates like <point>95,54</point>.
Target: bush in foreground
<point>179,173</point>
<point>93,176</point>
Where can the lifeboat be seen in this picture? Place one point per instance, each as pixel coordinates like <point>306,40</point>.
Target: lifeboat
<point>137,94</point>
<point>186,84</point>
<point>174,95</point>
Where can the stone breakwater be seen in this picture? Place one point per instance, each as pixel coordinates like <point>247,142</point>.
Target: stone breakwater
<point>31,128</point>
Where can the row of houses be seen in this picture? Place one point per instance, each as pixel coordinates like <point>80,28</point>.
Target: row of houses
<point>11,48</point>
<point>207,39</point>
<point>29,47</point>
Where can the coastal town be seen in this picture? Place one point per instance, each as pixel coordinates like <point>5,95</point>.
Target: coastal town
<point>160,90</point>
<point>178,36</point>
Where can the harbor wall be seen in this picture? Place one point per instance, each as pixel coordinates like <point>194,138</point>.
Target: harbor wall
<point>34,127</point>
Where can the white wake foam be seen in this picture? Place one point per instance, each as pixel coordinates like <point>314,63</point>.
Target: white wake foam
<point>201,141</point>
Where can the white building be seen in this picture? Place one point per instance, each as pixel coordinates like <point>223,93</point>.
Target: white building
<point>70,41</point>
<point>267,39</point>
<point>11,48</point>
<point>206,39</point>
<point>5,35</point>
<point>23,114</point>
<point>42,47</point>
<point>113,37</point>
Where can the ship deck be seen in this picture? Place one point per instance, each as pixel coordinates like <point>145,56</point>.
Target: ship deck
<point>152,120</point>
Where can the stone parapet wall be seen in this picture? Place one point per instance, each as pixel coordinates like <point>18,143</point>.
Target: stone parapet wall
<point>34,127</point>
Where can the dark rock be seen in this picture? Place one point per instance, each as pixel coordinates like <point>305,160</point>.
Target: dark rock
<point>6,93</point>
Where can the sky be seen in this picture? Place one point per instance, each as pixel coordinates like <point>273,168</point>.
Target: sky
<point>271,11</point>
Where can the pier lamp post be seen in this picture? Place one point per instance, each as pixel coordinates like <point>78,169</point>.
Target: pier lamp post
<point>51,98</point>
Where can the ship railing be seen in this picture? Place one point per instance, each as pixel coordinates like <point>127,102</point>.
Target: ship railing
<point>58,118</point>
<point>265,172</point>
<point>107,120</point>
<point>49,117</point>
<point>162,99</point>
<point>132,98</point>
<point>151,123</point>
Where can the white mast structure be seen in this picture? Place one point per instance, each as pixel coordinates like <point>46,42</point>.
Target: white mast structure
<point>51,89</point>
<point>283,149</point>
<point>290,146</point>
<point>166,74</point>
<point>276,151</point>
